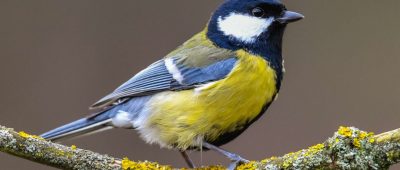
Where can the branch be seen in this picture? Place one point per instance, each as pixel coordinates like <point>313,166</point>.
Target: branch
<point>349,148</point>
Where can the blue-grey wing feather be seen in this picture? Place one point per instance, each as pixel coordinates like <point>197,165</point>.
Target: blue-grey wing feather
<point>157,77</point>
<point>201,75</point>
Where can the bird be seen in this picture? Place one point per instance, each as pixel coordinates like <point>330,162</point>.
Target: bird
<point>207,91</point>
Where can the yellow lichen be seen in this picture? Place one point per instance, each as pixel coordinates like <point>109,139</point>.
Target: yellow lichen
<point>306,154</point>
<point>289,158</point>
<point>265,161</point>
<point>39,154</point>
<point>26,135</point>
<point>248,166</point>
<point>286,164</point>
<point>363,135</point>
<point>73,147</point>
<point>213,167</point>
<point>131,165</point>
<point>345,131</point>
<point>316,148</point>
<point>372,140</point>
<point>357,143</point>
<point>273,158</point>
<point>209,168</point>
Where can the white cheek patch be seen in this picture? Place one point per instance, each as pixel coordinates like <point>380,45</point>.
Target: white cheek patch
<point>245,28</point>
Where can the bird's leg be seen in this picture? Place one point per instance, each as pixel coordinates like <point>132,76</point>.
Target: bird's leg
<point>188,161</point>
<point>236,159</point>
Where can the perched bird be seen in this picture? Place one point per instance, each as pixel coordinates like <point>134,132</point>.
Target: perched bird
<point>207,91</point>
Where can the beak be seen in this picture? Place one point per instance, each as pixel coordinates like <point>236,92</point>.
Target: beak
<point>289,17</point>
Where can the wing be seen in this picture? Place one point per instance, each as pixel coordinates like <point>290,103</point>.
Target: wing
<point>196,62</point>
<point>166,75</point>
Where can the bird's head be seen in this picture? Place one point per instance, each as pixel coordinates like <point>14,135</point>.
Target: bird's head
<point>250,24</point>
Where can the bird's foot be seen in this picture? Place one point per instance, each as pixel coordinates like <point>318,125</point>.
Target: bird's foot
<point>236,161</point>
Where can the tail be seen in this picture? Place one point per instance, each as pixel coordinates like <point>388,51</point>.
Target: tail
<point>84,126</point>
<point>101,121</point>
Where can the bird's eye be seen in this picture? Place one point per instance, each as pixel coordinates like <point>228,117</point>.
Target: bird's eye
<point>258,12</point>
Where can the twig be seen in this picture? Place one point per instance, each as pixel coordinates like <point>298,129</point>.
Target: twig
<point>349,148</point>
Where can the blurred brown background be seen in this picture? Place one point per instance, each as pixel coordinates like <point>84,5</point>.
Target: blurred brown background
<point>58,57</point>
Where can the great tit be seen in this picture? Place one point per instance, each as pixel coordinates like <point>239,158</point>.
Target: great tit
<point>207,91</point>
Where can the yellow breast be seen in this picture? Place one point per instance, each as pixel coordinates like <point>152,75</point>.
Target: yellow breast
<point>186,118</point>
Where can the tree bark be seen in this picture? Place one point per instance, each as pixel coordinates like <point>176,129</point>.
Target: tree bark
<point>349,148</point>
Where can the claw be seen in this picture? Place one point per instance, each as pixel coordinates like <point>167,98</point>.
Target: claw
<point>233,165</point>
<point>236,159</point>
<point>239,159</point>
<point>236,162</point>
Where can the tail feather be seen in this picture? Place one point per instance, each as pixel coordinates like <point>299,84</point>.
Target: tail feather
<point>77,128</point>
<point>102,120</point>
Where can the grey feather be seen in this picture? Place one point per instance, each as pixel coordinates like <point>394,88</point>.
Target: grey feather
<point>157,78</point>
